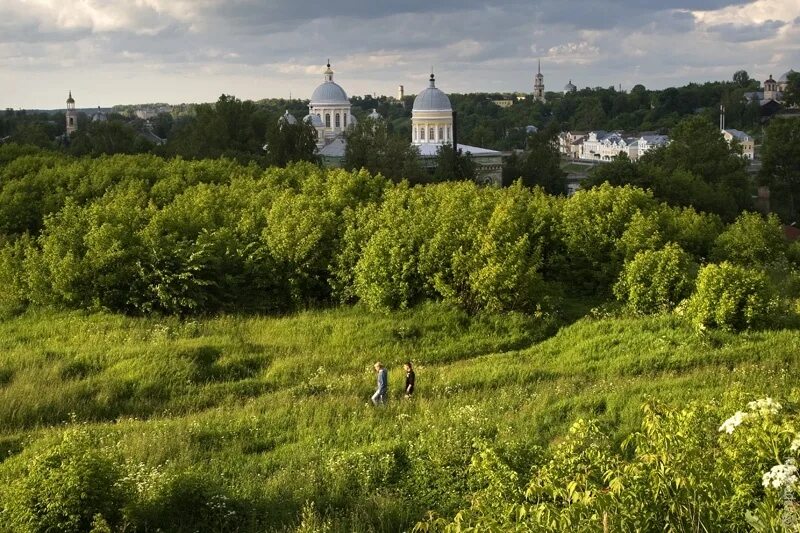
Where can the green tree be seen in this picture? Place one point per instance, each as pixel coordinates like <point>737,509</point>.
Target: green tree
<point>539,165</point>
<point>792,93</point>
<point>751,241</point>
<point>288,143</point>
<point>454,165</point>
<point>741,78</point>
<point>371,146</point>
<point>780,169</point>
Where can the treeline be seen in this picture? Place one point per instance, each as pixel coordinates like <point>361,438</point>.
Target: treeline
<point>138,234</point>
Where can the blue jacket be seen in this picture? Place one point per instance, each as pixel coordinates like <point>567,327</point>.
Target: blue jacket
<point>383,380</point>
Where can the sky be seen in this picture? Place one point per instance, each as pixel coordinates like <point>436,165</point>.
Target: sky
<point>137,51</point>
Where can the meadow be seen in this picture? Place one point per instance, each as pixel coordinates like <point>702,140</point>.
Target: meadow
<point>262,423</point>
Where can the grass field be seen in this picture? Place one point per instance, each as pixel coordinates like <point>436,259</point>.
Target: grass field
<point>267,414</point>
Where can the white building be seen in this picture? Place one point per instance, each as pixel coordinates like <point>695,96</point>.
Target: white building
<point>71,115</point>
<point>432,128</point>
<point>538,86</point>
<point>329,110</point>
<point>745,141</point>
<point>605,146</point>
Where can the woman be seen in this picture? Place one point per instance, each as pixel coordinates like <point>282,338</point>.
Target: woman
<point>410,378</point>
<point>383,385</point>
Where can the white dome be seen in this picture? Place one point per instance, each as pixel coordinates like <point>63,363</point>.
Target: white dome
<point>329,93</point>
<point>785,77</point>
<point>432,99</point>
<point>570,87</point>
<point>375,115</point>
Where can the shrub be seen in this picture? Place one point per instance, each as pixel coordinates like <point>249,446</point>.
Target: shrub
<point>68,487</point>
<point>751,240</point>
<point>655,281</point>
<point>730,297</point>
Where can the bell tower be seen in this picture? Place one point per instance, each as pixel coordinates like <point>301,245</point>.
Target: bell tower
<point>538,85</point>
<point>72,116</point>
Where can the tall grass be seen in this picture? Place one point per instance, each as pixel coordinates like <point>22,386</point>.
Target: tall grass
<point>276,412</point>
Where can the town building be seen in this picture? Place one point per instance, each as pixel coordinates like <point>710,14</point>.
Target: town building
<point>432,127</point>
<point>569,88</point>
<point>538,86</point>
<point>605,146</point>
<point>71,116</point>
<point>745,141</point>
<point>772,90</point>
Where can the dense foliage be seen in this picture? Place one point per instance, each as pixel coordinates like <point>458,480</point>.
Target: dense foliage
<point>139,234</point>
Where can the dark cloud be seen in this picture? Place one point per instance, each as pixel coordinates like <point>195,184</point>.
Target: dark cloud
<point>737,33</point>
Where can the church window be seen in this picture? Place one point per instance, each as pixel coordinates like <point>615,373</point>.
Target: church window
<point>430,134</point>
<point>327,120</point>
<point>344,118</point>
<point>448,133</point>
<point>422,134</point>
<point>441,133</point>
<point>337,120</point>
<point>71,121</point>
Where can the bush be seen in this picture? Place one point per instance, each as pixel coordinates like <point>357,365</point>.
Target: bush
<point>68,487</point>
<point>731,297</point>
<point>656,281</point>
<point>751,240</point>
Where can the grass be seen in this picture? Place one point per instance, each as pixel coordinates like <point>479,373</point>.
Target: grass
<point>276,408</point>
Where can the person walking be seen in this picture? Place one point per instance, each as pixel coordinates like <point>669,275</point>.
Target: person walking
<point>379,397</point>
<point>410,378</point>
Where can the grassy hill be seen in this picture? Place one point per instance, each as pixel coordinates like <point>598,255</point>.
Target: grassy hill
<point>235,423</point>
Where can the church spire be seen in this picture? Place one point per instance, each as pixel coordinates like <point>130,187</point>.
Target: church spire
<point>329,72</point>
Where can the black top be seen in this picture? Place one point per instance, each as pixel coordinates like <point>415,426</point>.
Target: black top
<point>410,382</point>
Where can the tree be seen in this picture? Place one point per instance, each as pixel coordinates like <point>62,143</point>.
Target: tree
<point>109,138</point>
<point>540,165</point>
<point>452,165</point>
<point>741,78</point>
<point>780,169</point>
<point>372,147</point>
<point>792,93</point>
<point>287,143</point>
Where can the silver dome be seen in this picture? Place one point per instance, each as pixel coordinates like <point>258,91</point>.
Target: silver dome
<point>785,77</point>
<point>288,118</point>
<point>314,120</point>
<point>329,93</point>
<point>432,99</point>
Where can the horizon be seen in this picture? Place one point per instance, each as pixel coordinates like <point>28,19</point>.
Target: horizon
<point>112,53</point>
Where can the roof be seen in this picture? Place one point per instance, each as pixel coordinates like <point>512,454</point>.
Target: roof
<point>288,118</point>
<point>432,99</point>
<point>329,93</point>
<point>430,150</point>
<point>314,120</point>
<point>785,77</point>
<point>335,148</point>
<point>739,135</point>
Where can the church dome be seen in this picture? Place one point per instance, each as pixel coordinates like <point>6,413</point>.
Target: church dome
<point>375,115</point>
<point>329,92</point>
<point>70,100</point>
<point>432,99</point>
<point>287,118</point>
<point>314,120</point>
<point>785,77</point>
<point>570,88</point>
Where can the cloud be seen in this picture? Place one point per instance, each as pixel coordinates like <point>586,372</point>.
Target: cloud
<point>179,50</point>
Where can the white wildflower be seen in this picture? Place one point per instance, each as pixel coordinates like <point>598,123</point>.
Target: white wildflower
<point>764,406</point>
<point>795,446</point>
<point>780,476</point>
<point>730,424</point>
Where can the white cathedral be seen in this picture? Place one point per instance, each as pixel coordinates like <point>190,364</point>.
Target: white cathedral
<point>432,126</point>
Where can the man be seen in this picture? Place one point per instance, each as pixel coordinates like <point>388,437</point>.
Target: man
<point>379,397</point>
<point>410,378</point>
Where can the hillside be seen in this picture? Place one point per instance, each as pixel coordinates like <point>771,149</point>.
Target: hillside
<point>234,423</point>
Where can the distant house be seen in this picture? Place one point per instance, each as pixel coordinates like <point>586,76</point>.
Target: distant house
<point>747,143</point>
<point>503,103</point>
<point>605,146</point>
